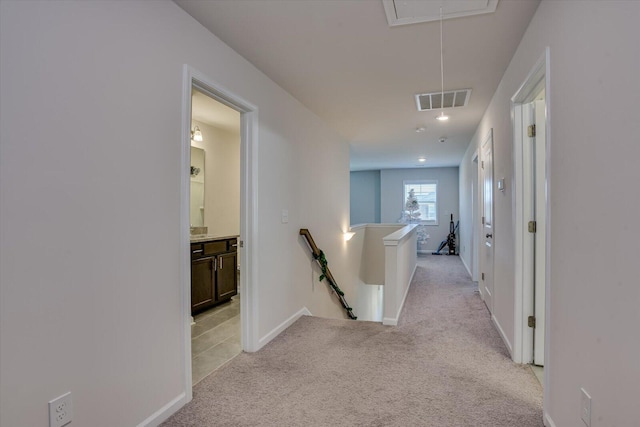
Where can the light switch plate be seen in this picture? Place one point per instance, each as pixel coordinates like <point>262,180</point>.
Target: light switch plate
<point>285,216</point>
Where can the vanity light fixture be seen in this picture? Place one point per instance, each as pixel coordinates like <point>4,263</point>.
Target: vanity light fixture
<point>441,117</point>
<point>422,159</point>
<point>196,134</point>
<point>348,235</point>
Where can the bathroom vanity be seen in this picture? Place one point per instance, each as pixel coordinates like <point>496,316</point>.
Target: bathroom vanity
<point>214,277</point>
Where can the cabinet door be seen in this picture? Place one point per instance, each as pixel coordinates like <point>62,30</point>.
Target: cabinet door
<point>202,283</point>
<point>227,278</point>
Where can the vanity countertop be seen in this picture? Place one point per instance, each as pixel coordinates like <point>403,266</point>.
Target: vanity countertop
<point>198,238</point>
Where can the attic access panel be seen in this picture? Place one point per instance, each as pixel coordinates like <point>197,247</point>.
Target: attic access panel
<point>403,12</point>
<point>433,100</point>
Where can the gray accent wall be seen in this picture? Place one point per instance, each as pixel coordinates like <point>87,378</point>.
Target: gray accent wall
<point>365,197</point>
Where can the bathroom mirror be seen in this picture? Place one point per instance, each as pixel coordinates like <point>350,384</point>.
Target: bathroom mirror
<point>197,187</point>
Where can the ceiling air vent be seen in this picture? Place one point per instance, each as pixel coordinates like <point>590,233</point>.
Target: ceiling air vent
<point>452,99</point>
<point>403,12</point>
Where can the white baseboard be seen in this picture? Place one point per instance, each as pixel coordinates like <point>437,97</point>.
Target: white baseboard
<point>166,411</point>
<point>548,422</point>
<point>466,266</point>
<point>281,327</point>
<point>178,402</point>
<point>428,251</point>
<point>502,335</point>
<point>394,321</point>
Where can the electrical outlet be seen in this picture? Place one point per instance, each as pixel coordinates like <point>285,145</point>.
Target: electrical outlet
<point>586,407</point>
<point>60,410</point>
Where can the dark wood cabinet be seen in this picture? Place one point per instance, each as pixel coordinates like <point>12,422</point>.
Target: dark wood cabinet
<point>214,276</point>
<point>202,283</point>
<point>226,276</point>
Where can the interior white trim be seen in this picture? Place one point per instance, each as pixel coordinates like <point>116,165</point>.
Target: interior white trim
<point>538,78</point>
<point>494,319</point>
<point>304,311</point>
<point>475,218</point>
<point>467,267</point>
<point>185,261</point>
<point>248,214</point>
<point>546,419</point>
<point>394,321</point>
<point>165,412</point>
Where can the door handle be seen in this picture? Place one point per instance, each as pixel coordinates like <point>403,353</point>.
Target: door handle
<point>489,236</point>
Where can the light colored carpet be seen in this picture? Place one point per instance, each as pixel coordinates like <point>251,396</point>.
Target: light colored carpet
<point>443,365</point>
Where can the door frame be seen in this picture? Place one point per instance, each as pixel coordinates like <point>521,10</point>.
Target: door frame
<point>247,250</point>
<point>475,216</point>
<point>537,79</point>
<point>482,243</point>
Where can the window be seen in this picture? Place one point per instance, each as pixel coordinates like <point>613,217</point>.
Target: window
<point>426,193</point>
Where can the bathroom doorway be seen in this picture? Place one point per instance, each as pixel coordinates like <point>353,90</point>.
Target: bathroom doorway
<point>214,215</point>
<point>218,228</point>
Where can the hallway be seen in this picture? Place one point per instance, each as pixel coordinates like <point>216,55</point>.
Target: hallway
<point>443,365</point>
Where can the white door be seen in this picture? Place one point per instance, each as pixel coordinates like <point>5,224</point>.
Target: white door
<point>540,207</point>
<point>475,220</point>
<point>534,206</point>
<point>486,275</point>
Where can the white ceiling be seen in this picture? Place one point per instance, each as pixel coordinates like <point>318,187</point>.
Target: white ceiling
<point>344,62</point>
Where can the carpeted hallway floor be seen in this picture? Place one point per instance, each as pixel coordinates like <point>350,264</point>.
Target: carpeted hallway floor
<point>443,365</point>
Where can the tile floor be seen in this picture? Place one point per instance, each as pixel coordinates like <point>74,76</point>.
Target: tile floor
<point>215,338</point>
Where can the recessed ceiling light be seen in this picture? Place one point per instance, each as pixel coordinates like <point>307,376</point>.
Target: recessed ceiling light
<point>420,129</point>
<point>422,159</point>
<point>442,117</point>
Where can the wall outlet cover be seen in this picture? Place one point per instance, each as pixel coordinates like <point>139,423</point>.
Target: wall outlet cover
<point>61,410</point>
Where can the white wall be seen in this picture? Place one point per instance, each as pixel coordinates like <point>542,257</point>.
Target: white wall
<point>91,96</point>
<point>196,188</point>
<point>400,262</point>
<point>365,197</point>
<point>222,179</point>
<point>392,198</point>
<point>594,294</point>
<point>372,265</point>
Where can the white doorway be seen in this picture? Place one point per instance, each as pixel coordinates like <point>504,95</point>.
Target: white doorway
<point>475,218</point>
<point>247,241</point>
<point>215,230</point>
<point>487,228</point>
<point>531,215</point>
